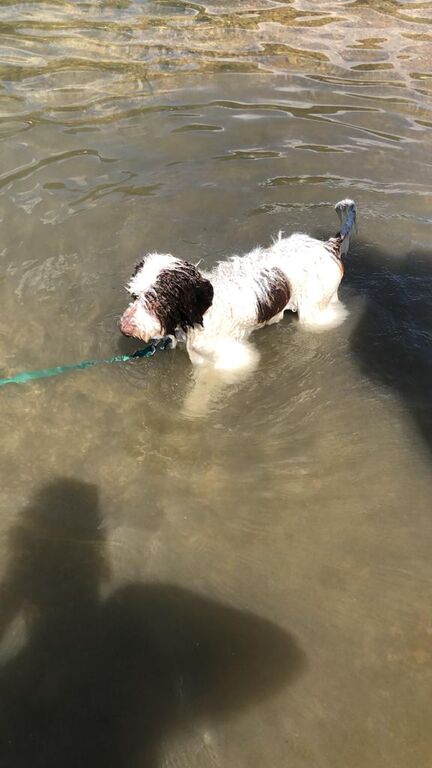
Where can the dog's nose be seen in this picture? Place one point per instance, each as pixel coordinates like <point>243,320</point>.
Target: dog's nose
<point>126,329</point>
<point>126,325</point>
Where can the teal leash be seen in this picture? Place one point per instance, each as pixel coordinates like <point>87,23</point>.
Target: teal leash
<point>46,373</point>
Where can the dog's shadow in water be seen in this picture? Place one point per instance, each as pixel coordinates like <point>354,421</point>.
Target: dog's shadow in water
<point>392,342</point>
<point>103,682</point>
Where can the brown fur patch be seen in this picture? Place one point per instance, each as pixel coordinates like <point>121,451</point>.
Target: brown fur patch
<point>180,297</point>
<point>333,245</point>
<point>277,297</point>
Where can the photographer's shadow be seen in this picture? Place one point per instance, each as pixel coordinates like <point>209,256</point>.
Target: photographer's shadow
<point>102,682</point>
<point>392,342</point>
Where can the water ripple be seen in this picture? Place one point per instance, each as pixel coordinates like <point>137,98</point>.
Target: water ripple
<point>86,50</point>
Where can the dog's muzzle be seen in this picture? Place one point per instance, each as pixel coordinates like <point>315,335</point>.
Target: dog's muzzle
<point>127,324</point>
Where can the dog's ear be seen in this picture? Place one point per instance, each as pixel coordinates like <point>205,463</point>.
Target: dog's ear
<point>200,299</point>
<point>182,296</point>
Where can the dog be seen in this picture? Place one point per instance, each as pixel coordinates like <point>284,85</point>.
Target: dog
<point>213,313</point>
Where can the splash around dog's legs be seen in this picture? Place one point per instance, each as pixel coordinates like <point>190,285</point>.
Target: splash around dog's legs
<point>223,354</point>
<point>321,318</point>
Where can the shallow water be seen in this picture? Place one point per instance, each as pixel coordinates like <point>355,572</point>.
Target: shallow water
<point>244,581</point>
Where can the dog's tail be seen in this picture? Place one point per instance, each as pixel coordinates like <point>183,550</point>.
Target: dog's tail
<point>347,213</point>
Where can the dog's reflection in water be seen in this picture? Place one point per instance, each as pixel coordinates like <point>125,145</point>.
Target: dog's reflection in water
<point>105,681</point>
<point>208,386</point>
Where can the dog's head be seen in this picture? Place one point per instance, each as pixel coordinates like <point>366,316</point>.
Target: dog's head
<point>167,293</point>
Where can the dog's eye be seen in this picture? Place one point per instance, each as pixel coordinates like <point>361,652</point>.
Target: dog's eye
<point>134,297</point>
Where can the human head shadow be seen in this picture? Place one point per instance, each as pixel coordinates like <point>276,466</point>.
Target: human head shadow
<point>103,681</point>
<point>392,342</point>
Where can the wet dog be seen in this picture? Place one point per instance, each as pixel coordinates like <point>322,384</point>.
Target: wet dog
<point>215,312</point>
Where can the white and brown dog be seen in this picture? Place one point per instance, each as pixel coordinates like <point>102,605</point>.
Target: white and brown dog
<point>214,313</point>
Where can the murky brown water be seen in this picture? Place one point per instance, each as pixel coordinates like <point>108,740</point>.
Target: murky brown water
<point>250,586</point>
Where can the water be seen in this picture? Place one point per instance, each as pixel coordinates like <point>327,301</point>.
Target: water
<point>195,575</point>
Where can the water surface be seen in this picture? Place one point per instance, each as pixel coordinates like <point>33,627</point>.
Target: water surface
<point>246,582</point>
